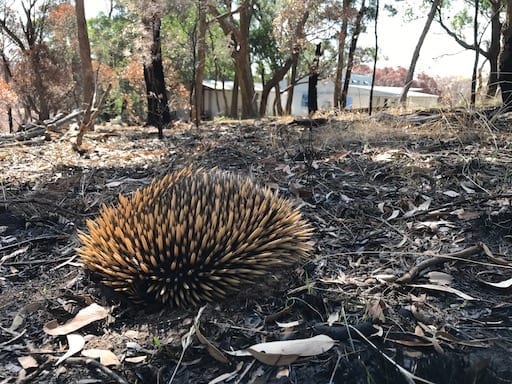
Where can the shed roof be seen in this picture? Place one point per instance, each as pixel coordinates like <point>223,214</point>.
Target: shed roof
<point>218,85</point>
<point>380,90</point>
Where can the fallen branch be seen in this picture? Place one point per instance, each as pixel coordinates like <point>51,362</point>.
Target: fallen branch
<point>89,117</point>
<point>436,260</point>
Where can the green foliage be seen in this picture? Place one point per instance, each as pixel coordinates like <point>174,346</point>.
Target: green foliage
<point>264,47</point>
<point>461,20</point>
<point>112,39</point>
<point>179,41</point>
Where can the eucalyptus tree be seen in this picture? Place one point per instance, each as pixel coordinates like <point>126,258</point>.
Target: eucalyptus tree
<point>489,31</point>
<point>236,24</point>
<point>434,7</point>
<point>41,77</point>
<point>277,40</point>
<point>505,61</point>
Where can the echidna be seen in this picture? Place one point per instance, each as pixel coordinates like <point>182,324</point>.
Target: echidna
<point>192,236</point>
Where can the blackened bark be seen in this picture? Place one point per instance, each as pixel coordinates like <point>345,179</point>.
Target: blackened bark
<point>505,65</point>
<point>158,108</point>
<point>494,49</point>
<point>313,80</point>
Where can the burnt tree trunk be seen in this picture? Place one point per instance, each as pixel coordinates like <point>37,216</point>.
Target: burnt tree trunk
<point>505,62</point>
<point>494,49</point>
<point>158,109</point>
<point>313,80</point>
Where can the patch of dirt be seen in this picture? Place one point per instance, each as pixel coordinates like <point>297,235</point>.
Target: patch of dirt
<point>412,229</point>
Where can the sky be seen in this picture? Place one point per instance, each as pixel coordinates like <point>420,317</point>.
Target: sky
<point>439,56</point>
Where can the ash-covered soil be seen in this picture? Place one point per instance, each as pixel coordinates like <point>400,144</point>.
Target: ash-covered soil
<point>410,275</point>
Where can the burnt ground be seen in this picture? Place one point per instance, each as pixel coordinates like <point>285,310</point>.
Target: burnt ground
<point>413,224</point>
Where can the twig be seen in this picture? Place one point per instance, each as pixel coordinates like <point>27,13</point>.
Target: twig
<point>91,363</point>
<point>34,239</point>
<point>415,271</point>
<point>88,119</point>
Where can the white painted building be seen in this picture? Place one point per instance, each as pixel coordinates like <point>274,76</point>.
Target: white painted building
<point>358,96</point>
<point>217,95</point>
<point>217,98</point>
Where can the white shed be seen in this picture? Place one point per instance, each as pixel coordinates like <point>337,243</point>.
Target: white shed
<point>358,96</point>
<point>217,98</point>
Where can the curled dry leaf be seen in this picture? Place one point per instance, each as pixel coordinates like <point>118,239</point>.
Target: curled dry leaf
<point>107,358</point>
<point>76,343</point>
<point>443,288</point>
<point>441,278</point>
<point>212,349</point>
<point>84,317</point>
<point>500,284</point>
<point>286,352</point>
<point>23,312</point>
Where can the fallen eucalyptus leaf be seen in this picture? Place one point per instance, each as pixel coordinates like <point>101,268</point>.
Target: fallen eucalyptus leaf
<point>285,352</point>
<point>76,342</point>
<point>106,357</point>
<point>84,317</point>
<point>500,284</point>
<point>443,288</point>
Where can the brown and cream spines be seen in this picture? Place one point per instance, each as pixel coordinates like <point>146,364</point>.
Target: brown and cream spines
<point>192,236</point>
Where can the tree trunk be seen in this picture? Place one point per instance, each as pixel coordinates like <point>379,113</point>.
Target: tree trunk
<point>505,61</point>
<point>239,31</point>
<point>291,86</point>
<point>7,78</point>
<point>278,107</point>
<point>351,52</point>
<point>477,52</point>
<point>415,56</point>
<point>273,83</point>
<point>375,57</point>
<point>201,55</point>
<point>158,109</point>
<point>43,109</point>
<point>86,64</point>
<point>85,53</point>
<point>494,49</point>
<point>243,66</point>
<point>313,80</point>
<point>342,36</point>
<point>233,113</point>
